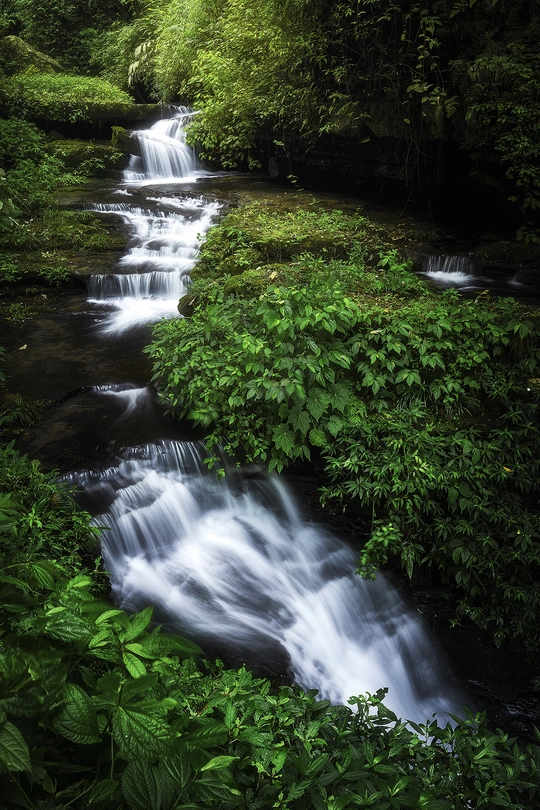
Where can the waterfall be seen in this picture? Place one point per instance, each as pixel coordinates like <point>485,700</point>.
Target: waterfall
<point>165,155</point>
<point>450,271</point>
<point>165,239</point>
<point>231,563</point>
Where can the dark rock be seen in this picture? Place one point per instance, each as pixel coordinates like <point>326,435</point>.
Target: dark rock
<point>124,141</point>
<point>98,158</point>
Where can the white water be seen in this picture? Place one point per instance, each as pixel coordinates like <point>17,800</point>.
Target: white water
<point>131,398</point>
<point>155,273</point>
<point>165,155</point>
<point>449,271</point>
<point>232,563</point>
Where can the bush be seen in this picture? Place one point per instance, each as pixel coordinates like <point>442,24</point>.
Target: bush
<point>423,406</point>
<point>61,97</point>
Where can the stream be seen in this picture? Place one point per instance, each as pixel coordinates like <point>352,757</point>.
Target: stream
<point>233,563</point>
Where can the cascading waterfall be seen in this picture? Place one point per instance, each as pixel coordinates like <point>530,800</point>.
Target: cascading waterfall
<point>232,563</point>
<point>154,274</point>
<point>165,155</point>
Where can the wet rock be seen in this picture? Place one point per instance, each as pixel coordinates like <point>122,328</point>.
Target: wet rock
<point>508,251</point>
<point>96,159</point>
<point>125,141</point>
<point>186,305</point>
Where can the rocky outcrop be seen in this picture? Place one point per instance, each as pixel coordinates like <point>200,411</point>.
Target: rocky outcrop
<point>17,55</point>
<point>97,159</point>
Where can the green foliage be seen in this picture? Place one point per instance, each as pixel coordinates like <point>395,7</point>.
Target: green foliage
<point>274,71</point>
<point>503,114</point>
<point>67,28</point>
<point>19,412</point>
<point>102,709</point>
<point>423,406</point>
<point>61,97</point>
<point>31,173</point>
<point>285,77</point>
<point>37,518</point>
<point>18,313</point>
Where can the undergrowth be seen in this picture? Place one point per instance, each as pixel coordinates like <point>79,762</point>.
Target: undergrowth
<point>422,406</point>
<point>101,709</point>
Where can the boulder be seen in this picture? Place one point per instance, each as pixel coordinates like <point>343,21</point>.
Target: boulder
<point>125,141</point>
<point>17,55</point>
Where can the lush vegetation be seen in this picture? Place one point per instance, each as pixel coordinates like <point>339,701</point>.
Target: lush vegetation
<point>37,238</point>
<point>101,709</point>
<point>60,97</point>
<point>309,338</point>
<point>422,406</point>
<point>284,77</point>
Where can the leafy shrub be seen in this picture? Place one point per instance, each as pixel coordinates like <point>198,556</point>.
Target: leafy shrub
<point>423,406</point>
<point>32,175</point>
<point>62,97</point>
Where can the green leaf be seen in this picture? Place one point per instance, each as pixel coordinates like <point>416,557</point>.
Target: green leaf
<point>110,614</point>
<point>318,438</point>
<point>43,575</point>
<point>218,762</point>
<point>14,753</point>
<point>102,790</point>
<point>317,402</point>
<point>283,439</point>
<point>178,767</point>
<point>134,665</point>
<point>137,624</point>
<point>77,719</point>
<point>141,786</point>
<point>140,734</point>
<point>209,734</point>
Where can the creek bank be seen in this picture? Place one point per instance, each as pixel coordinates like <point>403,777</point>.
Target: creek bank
<point>62,355</point>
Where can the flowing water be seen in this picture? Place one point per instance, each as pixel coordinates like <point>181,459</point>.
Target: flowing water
<point>464,274</point>
<point>232,562</point>
<point>155,273</point>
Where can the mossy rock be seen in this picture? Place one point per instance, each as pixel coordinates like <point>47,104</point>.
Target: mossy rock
<point>124,141</point>
<point>240,261</point>
<point>507,251</point>
<point>246,285</point>
<point>17,55</point>
<point>529,276</point>
<point>95,159</point>
<point>186,305</point>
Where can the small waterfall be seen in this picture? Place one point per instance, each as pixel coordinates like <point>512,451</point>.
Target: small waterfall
<point>232,563</point>
<point>450,271</point>
<point>165,155</point>
<point>156,269</point>
<point>133,399</point>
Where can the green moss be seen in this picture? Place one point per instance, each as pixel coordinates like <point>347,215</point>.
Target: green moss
<point>90,158</point>
<point>61,97</point>
<point>246,285</point>
<point>17,55</point>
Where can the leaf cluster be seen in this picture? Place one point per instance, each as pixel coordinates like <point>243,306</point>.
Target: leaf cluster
<point>423,407</point>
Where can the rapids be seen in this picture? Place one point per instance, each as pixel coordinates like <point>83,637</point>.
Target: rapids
<point>232,562</point>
